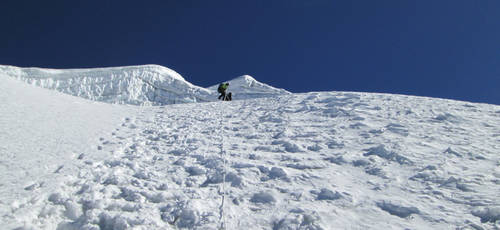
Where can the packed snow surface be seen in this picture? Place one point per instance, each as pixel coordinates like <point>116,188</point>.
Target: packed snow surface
<point>328,160</point>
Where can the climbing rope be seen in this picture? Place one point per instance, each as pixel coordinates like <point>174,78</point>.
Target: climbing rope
<point>224,160</point>
<point>223,156</point>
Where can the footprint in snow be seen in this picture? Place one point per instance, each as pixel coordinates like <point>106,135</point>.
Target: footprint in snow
<point>59,169</point>
<point>327,194</point>
<point>263,198</point>
<point>34,186</point>
<point>396,209</point>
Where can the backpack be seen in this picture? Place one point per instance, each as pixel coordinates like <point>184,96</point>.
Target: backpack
<point>221,88</point>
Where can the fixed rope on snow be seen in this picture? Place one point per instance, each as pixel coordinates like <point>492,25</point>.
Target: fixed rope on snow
<point>224,160</point>
<point>223,188</point>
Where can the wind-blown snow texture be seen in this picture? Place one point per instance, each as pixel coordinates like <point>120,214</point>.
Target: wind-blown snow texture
<point>330,160</point>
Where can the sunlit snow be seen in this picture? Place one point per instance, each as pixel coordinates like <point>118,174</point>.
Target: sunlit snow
<point>319,160</point>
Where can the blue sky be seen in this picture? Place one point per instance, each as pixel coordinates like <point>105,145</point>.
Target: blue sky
<point>437,48</point>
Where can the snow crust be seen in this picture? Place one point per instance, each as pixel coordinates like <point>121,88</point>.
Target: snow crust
<point>329,160</point>
<point>136,85</point>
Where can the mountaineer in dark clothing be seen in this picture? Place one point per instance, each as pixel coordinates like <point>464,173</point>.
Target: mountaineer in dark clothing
<point>222,90</point>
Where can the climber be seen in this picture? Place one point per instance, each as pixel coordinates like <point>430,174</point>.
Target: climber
<point>222,90</point>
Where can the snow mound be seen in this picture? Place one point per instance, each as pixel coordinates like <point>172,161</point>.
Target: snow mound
<point>136,85</point>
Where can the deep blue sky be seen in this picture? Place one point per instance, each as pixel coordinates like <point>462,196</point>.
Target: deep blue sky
<point>438,48</point>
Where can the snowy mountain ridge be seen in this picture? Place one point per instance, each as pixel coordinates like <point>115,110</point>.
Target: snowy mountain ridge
<point>136,85</point>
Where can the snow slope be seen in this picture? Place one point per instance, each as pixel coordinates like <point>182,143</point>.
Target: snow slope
<point>42,133</point>
<point>136,85</point>
<point>330,160</point>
